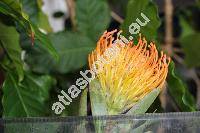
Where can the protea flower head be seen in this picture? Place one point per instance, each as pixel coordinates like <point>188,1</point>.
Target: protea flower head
<point>134,71</point>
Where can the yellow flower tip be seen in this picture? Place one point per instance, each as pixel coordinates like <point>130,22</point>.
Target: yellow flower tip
<point>129,74</point>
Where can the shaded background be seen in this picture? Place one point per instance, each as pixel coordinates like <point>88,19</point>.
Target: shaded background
<point>73,28</point>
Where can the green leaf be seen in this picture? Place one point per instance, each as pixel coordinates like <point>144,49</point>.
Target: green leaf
<point>191,47</point>
<point>15,4</point>
<point>38,60</point>
<point>142,106</point>
<point>46,43</point>
<point>189,39</point>
<point>83,103</point>
<point>13,11</point>
<point>9,39</point>
<point>27,26</point>
<point>186,28</point>
<point>98,103</point>
<point>134,10</point>
<point>33,9</point>
<point>72,49</point>
<point>93,17</point>
<point>179,92</point>
<point>28,98</point>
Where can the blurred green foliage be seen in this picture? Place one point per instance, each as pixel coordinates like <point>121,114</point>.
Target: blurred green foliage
<point>13,50</point>
<point>179,91</point>
<point>30,83</point>
<point>27,98</point>
<point>134,9</point>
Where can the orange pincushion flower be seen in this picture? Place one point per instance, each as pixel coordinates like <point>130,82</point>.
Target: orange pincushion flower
<point>134,72</point>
